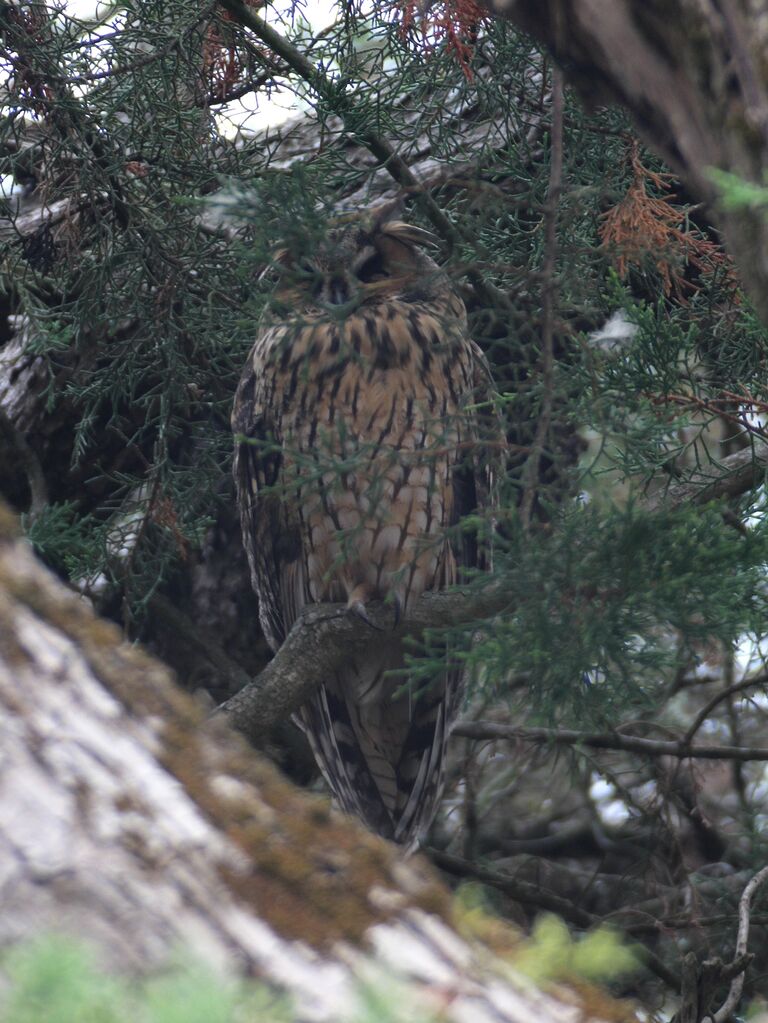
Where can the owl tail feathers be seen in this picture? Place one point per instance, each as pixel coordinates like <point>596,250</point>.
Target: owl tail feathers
<point>394,787</point>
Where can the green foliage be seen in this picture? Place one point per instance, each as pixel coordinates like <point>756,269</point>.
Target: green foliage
<point>736,193</point>
<point>382,999</point>
<point>65,539</point>
<point>55,980</point>
<point>552,954</point>
<point>593,605</point>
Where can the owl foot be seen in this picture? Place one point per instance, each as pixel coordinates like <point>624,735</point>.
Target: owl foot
<point>357,607</point>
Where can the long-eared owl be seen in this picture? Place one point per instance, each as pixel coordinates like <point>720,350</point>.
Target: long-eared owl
<point>358,449</point>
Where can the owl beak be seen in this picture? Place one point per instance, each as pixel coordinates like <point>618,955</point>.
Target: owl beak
<point>338,291</point>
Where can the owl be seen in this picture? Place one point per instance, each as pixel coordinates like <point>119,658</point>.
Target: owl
<point>361,437</point>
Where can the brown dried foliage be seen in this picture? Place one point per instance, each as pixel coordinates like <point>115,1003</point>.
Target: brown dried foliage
<point>31,29</point>
<point>223,66</point>
<point>164,514</point>
<point>643,227</point>
<point>454,23</point>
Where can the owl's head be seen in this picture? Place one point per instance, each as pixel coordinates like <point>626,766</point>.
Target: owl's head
<point>360,259</point>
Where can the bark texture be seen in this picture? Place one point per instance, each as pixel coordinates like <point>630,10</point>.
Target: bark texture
<point>127,818</point>
<point>693,76</point>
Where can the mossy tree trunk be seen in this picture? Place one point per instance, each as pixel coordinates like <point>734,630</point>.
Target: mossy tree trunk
<point>124,818</point>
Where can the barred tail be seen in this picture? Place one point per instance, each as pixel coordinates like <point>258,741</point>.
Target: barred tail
<point>382,749</point>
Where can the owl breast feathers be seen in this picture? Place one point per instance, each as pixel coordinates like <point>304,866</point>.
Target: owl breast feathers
<point>358,447</point>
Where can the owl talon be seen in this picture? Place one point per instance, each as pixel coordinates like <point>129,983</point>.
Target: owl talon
<point>358,608</point>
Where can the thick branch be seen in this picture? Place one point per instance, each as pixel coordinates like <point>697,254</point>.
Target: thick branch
<point>326,635</point>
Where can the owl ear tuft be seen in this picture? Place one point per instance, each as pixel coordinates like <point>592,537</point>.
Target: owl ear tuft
<point>280,257</point>
<point>386,220</point>
<point>403,232</point>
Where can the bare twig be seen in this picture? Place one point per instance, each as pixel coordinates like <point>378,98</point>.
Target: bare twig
<point>530,472</point>
<point>608,740</point>
<point>728,1007</point>
<point>33,470</point>
<point>740,959</point>
<point>724,694</point>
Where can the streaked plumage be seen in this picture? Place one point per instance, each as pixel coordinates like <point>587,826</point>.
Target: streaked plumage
<point>356,450</point>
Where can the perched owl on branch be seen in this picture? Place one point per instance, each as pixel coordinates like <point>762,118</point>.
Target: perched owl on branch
<point>361,436</point>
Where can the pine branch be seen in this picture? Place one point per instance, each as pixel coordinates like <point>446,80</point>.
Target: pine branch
<point>741,472</point>
<point>336,97</point>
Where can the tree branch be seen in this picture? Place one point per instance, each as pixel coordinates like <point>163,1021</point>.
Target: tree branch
<point>724,694</point>
<point>608,740</point>
<point>324,636</point>
<point>530,474</point>
<point>741,472</point>
<point>741,957</point>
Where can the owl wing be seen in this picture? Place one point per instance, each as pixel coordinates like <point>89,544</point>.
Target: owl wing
<point>270,527</point>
